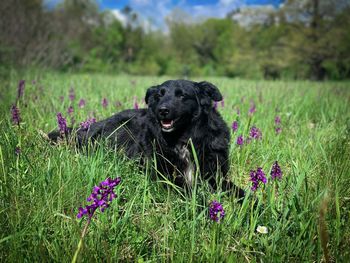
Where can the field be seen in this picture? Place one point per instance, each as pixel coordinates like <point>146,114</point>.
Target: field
<point>306,213</point>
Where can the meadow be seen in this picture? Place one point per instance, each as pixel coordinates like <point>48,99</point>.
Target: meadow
<point>305,214</point>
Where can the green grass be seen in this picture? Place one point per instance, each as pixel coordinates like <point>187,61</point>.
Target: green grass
<point>306,213</point>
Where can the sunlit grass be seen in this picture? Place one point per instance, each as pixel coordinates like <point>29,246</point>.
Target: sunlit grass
<point>305,213</point>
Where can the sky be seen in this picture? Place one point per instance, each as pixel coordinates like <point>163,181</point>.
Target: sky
<point>119,4</point>
<point>153,12</point>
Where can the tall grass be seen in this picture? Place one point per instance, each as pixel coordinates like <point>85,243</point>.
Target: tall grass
<point>306,212</point>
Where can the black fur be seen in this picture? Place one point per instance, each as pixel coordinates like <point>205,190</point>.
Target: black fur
<point>150,132</point>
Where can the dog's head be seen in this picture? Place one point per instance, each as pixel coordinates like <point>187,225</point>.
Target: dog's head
<point>175,103</point>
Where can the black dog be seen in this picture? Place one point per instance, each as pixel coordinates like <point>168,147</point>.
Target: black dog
<point>180,115</point>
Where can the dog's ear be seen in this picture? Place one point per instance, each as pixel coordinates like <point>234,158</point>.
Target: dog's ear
<point>150,91</point>
<point>209,90</point>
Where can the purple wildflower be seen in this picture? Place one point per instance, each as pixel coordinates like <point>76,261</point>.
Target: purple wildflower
<point>256,177</point>
<point>136,105</point>
<point>20,89</point>
<point>70,110</point>
<point>222,102</point>
<point>276,171</point>
<point>240,140</point>
<point>86,124</point>
<point>235,126</point>
<point>216,211</point>
<point>81,103</point>
<point>104,103</point>
<point>17,150</point>
<point>278,130</point>
<point>277,120</point>
<point>252,109</point>
<point>16,118</point>
<point>62,123</point>
<point>71,94</point>
<point>215,105</point>
<point>101,197</point>
<point>255,133</point>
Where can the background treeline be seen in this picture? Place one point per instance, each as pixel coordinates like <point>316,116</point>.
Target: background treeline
<point>302,39</point>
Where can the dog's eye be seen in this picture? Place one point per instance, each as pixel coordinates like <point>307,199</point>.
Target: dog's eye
<point>179,93</point>
<point>162,92</point>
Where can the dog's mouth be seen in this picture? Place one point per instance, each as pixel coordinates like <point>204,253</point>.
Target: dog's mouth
<point>167,125</point>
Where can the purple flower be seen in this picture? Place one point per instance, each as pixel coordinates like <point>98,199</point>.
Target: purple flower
<point>252,109</point>
<point>255,133</point>
<point>71,94</point>
<point>235,126</point>
<point>101,197</point>
<point>278,127</point>
<point>240,140</point>
<point>62,123</point>
<point>215,105</point>
<point>20,89</point>
<point>16,118</point>
<point>86,124</point>
<point>256,177</point>
<point>277,120</point>
<point>70,110</point>
<point>276,171</point>
<point>81,103</point>
<point>104,103</point>
<point>222,102</point>
<point>216,211</point>
<point>17,150</point>
<point>136,105</point>
<point>278,130</point>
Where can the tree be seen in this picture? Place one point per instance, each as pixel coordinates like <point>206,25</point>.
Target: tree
<point>311,22</point>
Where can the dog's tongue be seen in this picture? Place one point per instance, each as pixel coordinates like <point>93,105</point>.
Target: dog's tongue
<point>167,123</point>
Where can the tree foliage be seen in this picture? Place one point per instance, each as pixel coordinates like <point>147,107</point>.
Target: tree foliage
<point>301,39</point>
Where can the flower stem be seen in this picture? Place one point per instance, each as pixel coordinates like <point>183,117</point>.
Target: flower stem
<point>80,245</point>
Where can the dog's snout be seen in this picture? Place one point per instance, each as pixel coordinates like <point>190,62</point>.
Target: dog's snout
<point>163,111</point>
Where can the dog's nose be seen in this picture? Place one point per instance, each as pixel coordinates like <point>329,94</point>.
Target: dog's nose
<point>163,111</point>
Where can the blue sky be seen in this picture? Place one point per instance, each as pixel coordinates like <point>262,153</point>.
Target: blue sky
<point>118,4</point>
<point>154,12</point>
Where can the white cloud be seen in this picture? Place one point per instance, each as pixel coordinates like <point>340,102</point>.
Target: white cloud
<point>152,13</point>
<point>140,2</point>
<point>119,15</point>
<point>227,2</point>
<point>256,14</point>
<point>220,9</point>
